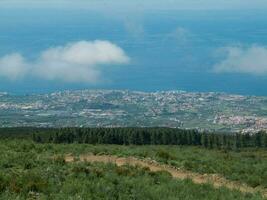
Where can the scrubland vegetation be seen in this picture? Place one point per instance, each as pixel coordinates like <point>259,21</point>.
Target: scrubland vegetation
<point>35,170</point>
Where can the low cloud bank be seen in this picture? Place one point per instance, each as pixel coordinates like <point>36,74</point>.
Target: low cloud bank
<point>252,60</point>
<point>75,62</point>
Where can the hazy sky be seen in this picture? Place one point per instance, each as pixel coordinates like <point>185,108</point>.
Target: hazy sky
<point>142,4</point>
<point>194,45</point>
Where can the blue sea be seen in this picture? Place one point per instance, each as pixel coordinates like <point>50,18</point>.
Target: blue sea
<point>169,50</point>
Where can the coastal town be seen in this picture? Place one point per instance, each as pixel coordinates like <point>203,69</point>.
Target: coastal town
<point>121,108</point>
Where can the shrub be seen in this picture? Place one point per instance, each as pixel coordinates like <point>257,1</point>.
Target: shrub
<point>164,155</point>
<point>3,182</point>
<point>59,160</point>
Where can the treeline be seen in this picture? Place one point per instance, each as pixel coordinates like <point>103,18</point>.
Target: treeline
<point>22,132</point>
<point>150,136</point>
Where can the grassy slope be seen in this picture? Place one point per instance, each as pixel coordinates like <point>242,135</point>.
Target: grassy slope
<point>25,167</point>
<point>248,166</point>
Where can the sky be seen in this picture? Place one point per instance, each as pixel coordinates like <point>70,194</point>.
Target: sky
<point>192,45</point>
<point>141,4</point>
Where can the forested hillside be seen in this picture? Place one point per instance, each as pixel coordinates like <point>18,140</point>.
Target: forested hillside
<point>151,136</point>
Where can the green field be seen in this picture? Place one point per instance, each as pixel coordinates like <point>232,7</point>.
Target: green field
<point>28,171</point>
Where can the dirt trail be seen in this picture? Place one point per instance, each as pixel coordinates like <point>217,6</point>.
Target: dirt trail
<point>216,180</point>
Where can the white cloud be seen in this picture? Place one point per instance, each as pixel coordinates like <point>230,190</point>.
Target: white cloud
<point>134,28</point>
<point>13,66</point>
<point>252,60</point>
<point>74,62</point>
<point>180,35</point>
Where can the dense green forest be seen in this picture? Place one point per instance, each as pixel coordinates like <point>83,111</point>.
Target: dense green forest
<point>138,136</point>
<point>151,136</point>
